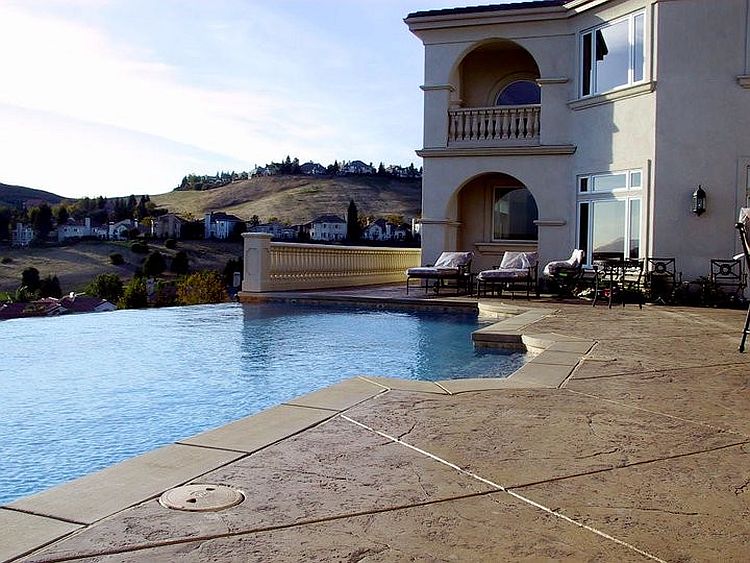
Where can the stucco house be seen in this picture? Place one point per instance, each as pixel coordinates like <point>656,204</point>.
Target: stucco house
<point>73,229</point>
<point>356,168</point>
<point>276,229</point>
<point>22,235</point>
<point>558,124</point>
<point>328,228</point>
<point>220,225</point>
<point>168,225</point>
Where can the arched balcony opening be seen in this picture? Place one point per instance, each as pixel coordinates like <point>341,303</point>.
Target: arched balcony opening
<point>499,101</point>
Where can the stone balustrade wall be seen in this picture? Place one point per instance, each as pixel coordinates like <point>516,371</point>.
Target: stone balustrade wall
<point>280,266</point>
<point>499,123</point>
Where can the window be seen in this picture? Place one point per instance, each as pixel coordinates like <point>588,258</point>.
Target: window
<point>613,55</point>
<point>514,213</point>
<point>520,93</point>
<point>609,215</point>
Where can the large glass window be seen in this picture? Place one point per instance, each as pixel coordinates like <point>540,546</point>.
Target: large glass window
<point>612,55</point>
<point>514,213</point>
<point>609,215</point>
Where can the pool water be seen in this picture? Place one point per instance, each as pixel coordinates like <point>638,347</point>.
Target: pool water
<point>82,392</point>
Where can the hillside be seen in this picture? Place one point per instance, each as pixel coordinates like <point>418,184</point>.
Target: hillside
<point>14,196</point>
<point>299,199</point>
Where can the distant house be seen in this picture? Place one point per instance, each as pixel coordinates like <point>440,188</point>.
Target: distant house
<point>220,225</point>
<point>276,229</point>
<point>313,169</point>
<point>328,228</point>
<point>381,229</point>
<point>356,168</point>
<point>73,229</point>
<point>22,235</point>
<point>270,170</point>
<point>167,226</point>
<point>78,303</point>
<point>120,229</point>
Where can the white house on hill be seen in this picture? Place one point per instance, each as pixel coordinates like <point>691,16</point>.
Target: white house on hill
<point>555,125</point>
<point>328,228</point>
<point>220,225</point>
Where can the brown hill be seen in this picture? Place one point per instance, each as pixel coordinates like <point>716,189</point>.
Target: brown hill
<point>299,199</point>
<point>16,196</point>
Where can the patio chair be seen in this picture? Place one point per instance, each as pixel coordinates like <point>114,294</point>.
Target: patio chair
<point>566,273</point>
<point>727,279</point>
<point>620,280</point>
<point>516,268</point>
<point>449,266</point>
<point>661,279</point>
<point>743,226</point>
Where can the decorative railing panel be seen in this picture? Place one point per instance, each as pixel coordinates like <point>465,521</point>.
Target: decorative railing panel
<point>276,266</point>
<point>498,124</point>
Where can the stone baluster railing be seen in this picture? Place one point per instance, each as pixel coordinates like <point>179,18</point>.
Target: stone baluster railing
<point>504,124</point>
<point>277,266</point>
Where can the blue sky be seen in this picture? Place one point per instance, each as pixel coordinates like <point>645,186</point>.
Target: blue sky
<point>115,97</point>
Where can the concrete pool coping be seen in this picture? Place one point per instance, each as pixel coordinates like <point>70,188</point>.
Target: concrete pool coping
<point>36,521</point>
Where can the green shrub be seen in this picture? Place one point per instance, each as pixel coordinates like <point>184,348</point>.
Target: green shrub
<point>50,287</point>
<point>139,247</point>
<point>106,286</point>
<point>231,267</point>
<point>6,260</point>
<point>134,295</point>
<point>201,287</point>
<point>179,263</point>
<point>30,279</point>
<point>116,259</point>
<point>154,264</point>
<point>170,243</point>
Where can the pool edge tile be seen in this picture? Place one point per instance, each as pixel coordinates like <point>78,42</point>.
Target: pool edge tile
<point>252,433</point>
<point>115,488</point>
<point>340,396</point>
<point>24,533</point>
<point>413,385</point>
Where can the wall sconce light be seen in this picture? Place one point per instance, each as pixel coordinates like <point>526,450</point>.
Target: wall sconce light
<point>699,201</point>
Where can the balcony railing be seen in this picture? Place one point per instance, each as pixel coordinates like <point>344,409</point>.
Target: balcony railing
<point>496,125</point>
<point>278,266</point>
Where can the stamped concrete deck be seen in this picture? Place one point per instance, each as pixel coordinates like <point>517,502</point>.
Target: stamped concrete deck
<point>627,438</point>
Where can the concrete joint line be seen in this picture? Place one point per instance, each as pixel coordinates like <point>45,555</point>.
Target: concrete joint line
<point>41,515</point>
<point>675,417</point>
<point>584,358</point>
<point>311,407</point>
<point>443,388</point>
<point>385,387</point>
<point>515,495</point>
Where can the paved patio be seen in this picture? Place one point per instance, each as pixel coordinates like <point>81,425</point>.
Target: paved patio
<point>639,451</point>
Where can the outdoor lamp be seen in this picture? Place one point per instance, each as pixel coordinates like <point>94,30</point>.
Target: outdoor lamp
<point>699,201</point>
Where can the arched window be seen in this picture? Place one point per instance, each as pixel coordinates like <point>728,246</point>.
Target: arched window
<point>514,214</point>
<point>520,93</point>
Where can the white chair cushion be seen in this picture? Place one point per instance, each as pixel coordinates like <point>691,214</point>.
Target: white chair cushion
<point>429,271</point>
<point>453,259</point>
<point>504,274</point>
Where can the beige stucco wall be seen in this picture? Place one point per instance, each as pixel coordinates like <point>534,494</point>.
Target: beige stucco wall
<point>703,129</point>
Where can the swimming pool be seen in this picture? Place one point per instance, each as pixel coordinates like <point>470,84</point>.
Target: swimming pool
<point>82,392</point>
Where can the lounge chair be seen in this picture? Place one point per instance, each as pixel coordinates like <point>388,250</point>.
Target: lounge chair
<point>514,269</point>
<point>449,266</point>
<point>566,273</point>
<point>743,226</point>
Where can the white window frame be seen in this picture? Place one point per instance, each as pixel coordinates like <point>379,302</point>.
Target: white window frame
<point>630,18</point>
<point>628,194</point>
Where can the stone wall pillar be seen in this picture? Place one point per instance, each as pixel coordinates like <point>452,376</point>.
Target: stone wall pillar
<point>257,262</point>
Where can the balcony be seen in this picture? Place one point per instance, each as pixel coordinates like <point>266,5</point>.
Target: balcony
<point>494,126</point>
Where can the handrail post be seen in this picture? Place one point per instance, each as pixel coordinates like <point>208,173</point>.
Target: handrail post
<point>257,253</point>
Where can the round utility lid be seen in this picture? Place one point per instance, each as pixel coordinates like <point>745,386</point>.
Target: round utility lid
<point>200,498</point>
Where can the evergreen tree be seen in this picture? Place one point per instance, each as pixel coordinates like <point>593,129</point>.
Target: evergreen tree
<point>101,202</point>
<point>41,220</point>
<point>6,216</point>
<point>106,286</point>
<point>352,222</point>
<point>179,263</point>
<point>62,215</point>
<point>50,287</point>
<point>381,170</point>
<point>254,221</point>
<point>30,279</point>
<point>154,264</point>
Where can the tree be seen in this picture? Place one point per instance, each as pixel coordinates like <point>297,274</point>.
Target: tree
<point>154,264</point>
<point>134,296</point>
<point>62,215</point>
<point>232,266</point>
<point>106,286</point>
<point>50,287</point>
<point>41,220</point>
<point>254,221</point>
<point>30,279</point>
<point>141,210</point>
<point>6,215</point>
<point>352,222</point>
<point>179,263</point>
<point>381,170</point>
<point>201,287</point>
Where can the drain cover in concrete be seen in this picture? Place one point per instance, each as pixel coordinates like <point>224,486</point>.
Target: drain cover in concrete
<point>199,498</point>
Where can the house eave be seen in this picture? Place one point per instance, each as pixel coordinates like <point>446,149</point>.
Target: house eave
<point>485,18</point>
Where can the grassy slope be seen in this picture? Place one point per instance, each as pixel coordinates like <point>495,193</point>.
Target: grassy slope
<point>14,195</point>
<point>299,199</point>
<point>77,264</point>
